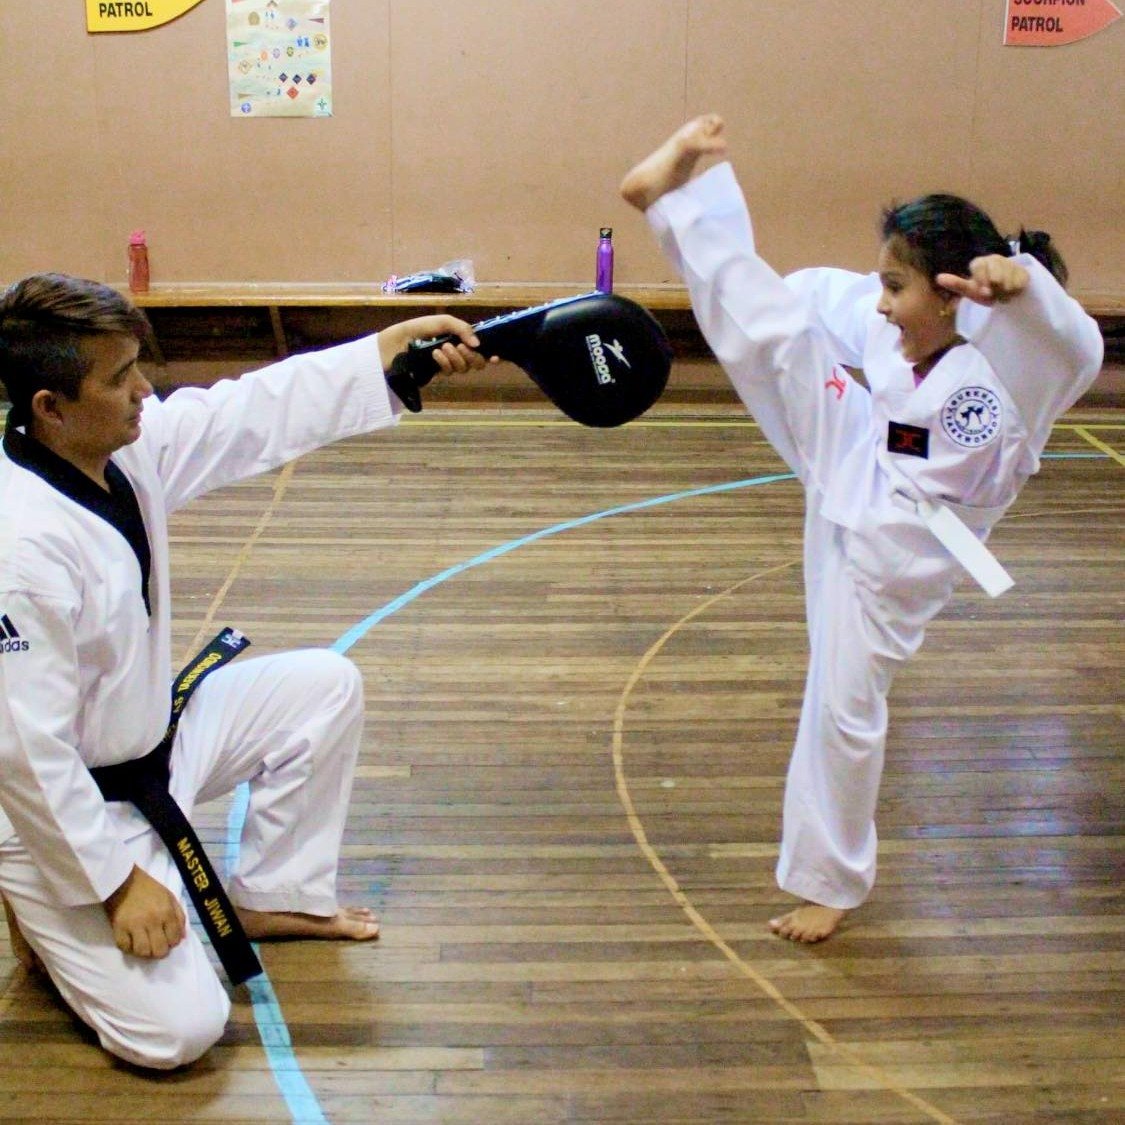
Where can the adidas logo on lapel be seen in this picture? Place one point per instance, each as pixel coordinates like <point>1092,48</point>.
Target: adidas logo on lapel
<point>10,639</point>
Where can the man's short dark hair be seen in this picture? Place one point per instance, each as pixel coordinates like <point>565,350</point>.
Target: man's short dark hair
<point>43,320</point>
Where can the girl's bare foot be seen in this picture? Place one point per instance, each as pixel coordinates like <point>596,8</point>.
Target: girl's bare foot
<point>672,164</point>
<point>352,923</point>
<point>809,922</point>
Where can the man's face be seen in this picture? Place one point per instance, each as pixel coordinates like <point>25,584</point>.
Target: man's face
<point>106,415</point>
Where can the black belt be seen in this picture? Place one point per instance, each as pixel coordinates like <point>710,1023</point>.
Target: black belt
<point>144,782</point>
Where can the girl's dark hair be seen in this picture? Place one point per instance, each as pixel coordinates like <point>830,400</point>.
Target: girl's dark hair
<point>944,233</point>
<point>43,320</point>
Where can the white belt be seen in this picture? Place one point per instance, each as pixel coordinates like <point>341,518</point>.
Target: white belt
<point>957,538</point>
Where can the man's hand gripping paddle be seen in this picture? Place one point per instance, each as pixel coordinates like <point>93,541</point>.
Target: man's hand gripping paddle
<point>599,357</point>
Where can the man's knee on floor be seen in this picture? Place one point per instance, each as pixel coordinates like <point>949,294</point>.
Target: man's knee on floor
<point>173,1039</point>
<point>331,676</point>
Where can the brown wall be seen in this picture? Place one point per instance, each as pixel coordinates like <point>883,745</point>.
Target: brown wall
<point>499,129</point>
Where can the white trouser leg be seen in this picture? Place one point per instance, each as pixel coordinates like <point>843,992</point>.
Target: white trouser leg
<point>157,1014</point>
<point>828,844</point>
<point>778,361</point>
<point>290,725</point>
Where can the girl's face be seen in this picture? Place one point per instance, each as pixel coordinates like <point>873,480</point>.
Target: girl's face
<point>921,312</point>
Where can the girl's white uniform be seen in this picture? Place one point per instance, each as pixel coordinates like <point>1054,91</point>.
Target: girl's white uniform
<point>85,676</point>
<point>875,572</point>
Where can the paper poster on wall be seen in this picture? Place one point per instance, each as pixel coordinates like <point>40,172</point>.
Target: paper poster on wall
<point>279,58</point>
<point>1051,23</point>
<point>133,15</point>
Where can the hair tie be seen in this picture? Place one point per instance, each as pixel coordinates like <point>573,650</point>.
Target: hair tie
<point>1032,241</point>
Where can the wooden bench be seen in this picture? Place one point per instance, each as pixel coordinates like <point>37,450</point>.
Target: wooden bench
<point>280,300</point>
<point>209,325</point>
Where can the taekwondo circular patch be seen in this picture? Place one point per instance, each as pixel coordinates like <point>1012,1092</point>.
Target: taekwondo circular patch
<point>971,417</point>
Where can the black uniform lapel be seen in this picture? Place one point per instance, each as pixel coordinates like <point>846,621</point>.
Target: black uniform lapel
<point>118,507</point>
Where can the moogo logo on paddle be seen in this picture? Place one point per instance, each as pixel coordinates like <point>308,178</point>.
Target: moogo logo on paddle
<point>597,349</point>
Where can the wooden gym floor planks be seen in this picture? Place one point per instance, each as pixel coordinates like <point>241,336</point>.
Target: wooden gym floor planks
<point>567,804</point>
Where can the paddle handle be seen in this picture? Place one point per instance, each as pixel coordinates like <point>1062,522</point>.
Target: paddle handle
<point>413,368</point>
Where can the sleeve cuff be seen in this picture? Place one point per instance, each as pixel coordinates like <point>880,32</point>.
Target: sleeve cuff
<point>716,194</point>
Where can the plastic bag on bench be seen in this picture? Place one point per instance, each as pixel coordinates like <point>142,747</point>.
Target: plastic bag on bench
<point>451,277</point>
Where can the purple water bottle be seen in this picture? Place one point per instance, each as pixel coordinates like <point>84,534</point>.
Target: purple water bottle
<point>604,283</point>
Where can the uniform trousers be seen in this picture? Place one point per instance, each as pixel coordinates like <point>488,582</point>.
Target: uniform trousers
<point>289,725</point>
<point>867,601</point>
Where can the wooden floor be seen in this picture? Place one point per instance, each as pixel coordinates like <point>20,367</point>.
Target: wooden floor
<point>580,709</point>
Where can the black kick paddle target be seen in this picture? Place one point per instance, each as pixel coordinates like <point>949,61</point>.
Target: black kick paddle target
<point>599,357</point>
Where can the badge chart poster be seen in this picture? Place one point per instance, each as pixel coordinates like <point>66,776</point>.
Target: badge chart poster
<point>279,56</point>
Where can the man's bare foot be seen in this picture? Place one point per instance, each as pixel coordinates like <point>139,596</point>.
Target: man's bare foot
<point>352,923</point>
<point>21,950</point>
<point>809,922</point>
<point>672,164</point>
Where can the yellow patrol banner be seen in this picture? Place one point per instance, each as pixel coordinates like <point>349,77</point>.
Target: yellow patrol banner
<point>133,15</point>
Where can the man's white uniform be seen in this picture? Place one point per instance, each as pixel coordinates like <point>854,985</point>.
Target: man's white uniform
<point>85,676</point>
<point>884,472</point>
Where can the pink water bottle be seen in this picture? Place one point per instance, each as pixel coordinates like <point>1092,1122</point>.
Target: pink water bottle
<point>138,262</point>
<point>604,273</point>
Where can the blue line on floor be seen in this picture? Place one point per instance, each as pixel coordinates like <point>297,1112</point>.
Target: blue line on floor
<point>272,1028</point>
<point>274,1032</point>
<point>304,1109</point>
<point>357,632</point>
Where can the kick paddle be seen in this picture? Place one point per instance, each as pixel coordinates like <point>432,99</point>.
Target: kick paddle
<point>602,359</point>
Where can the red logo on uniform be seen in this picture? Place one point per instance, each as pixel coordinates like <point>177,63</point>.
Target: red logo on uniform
<point>914,441</point>
<point>837,384</point>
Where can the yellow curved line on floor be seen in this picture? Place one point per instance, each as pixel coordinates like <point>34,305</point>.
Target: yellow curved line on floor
<point>685,904</point>
<point>7,1000</point>
<point>697,919</point>
<point>205,629</point>
<point>1084,433</point>
<point>1045,513</point>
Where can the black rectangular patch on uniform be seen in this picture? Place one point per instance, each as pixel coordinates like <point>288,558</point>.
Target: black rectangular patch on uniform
<point>914,441</point>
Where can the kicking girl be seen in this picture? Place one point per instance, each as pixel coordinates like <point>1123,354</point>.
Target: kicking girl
<point>971,349</point>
